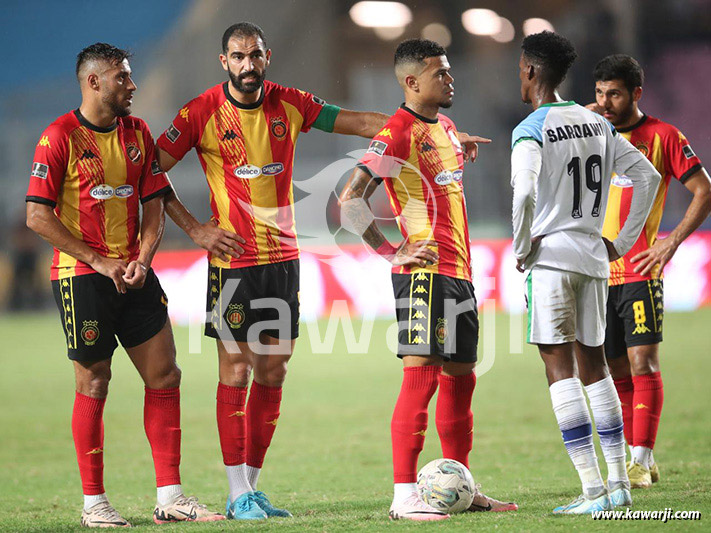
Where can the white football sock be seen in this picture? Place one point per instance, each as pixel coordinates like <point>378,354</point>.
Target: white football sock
<point>574,422</point>
<point>607,412</point>
<point>253,476</point>
<point>90,500</point>
<point>402,491</point>
<point>642,455</point>
<point>651,458</point>
<point>168,493</point>
<point>237,478</point>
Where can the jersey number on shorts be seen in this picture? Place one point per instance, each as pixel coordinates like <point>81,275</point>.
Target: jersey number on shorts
<point>593,182</point>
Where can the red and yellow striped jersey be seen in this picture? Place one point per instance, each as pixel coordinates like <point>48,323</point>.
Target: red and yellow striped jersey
<point>670,153</point>
<point>421,162</point>
<point>94,177</point>
<point>247,154</point>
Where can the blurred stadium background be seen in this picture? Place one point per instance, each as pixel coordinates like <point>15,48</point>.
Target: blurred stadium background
<point>325,47</point>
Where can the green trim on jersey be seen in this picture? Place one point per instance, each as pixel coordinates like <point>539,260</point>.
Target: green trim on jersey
<point>529,286</point>
<point>557,104</point>
<point>526,139</point>
<point>326,118</point>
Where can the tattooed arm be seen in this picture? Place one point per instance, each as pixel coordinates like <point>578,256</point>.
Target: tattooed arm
<point>355,210</point>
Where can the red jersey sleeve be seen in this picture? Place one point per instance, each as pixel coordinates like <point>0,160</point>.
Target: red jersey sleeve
<point>184,132</point>
<point>154,182</point>
<point>387,152</point>
<point>309,106</point>
<point>49,166</point>
<point>681,160</point>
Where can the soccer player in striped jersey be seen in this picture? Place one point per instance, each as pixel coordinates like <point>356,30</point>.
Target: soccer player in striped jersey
<point>244,131</point>
<point>635,305</point>
<point>96,194</point>
<point>420,157</point>
<point>561,161</point>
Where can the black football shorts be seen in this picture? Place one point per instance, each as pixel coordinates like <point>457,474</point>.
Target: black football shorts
<point>635,312</point>
<point>93,314</point>
<point>234,308</point>
<point>437,315</point>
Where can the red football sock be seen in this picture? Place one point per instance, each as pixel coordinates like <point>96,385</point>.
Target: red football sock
<point>625,390</point>
<point>231,423</point>
<point>648,400</point>
<point>88,432</point>
<point>453,416</point>
<point>262,417</point>
<point>161,420</point>
<point>409,422</point>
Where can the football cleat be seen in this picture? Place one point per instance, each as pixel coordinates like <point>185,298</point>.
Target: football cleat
<point>654,473</point>
<point>244,508</point>
<point>620,495</point>
<point>103,514</point>
<point>583,505</point>
<point>482,502</point>
<point>266,506</point>
<point>413,508</point>
<point>640,477</point>
<point>184,509</point>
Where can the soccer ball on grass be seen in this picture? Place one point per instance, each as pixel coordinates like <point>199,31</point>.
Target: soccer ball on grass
<point>446,485</point>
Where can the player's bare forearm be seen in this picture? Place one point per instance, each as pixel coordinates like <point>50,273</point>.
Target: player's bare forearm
<point>183,218</point>
<point>361,123</point>
<point>356,209</point>
<point>218,241</point>
<point>152,227</point>
<point>664,249</point>
<point>42,220</point>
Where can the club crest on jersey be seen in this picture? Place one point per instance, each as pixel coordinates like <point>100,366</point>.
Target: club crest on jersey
<point>172,133</point>
<point>377,148</point>
<point>90,332</point>
<point>133,152</point>
<point>278,128</point>
<point>441,330</point>
<point>235,315</point>
<point>643,147</point>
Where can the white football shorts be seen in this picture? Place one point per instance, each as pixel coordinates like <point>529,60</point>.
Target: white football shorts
<point>565,306</point>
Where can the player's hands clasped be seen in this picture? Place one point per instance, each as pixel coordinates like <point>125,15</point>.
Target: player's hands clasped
<point>112,268</point>
<point>135,275</point>
<point>415,254</point>
<point>611,252</point>
<point>470,145</point>
<point>222,243</point>
<point>658,254</point>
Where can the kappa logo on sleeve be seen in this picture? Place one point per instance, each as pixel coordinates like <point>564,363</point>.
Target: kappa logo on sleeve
<point>172,133</point>
<point>155,168</point>
<point>39,170</point>
<point>688,151</point>
<point>377,148</point>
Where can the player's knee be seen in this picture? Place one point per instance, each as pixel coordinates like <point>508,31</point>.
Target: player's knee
<point>95,385</point>
<point>276,374</point>
<point>643,366</point>
<point>235,374</point>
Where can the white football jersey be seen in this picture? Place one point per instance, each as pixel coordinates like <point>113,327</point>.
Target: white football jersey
<point>579,150</point>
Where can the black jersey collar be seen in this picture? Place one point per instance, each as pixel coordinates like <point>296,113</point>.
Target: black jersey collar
<point>255,105</point>
<point>633,126</point>
<point>84,122</point>
<point>418,116</point>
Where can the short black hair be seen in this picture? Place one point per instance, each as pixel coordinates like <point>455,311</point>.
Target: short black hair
<point>102,51</point>
<point>553,52</point>
<point>417,50</point>
<point>620,67</point>
<point>242,29</point>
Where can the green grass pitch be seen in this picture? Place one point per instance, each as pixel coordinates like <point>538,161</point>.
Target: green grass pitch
<point>330,459</point>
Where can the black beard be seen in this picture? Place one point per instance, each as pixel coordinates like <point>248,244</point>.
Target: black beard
<point>117,109</point>
<point>250,87</point>
<point>624,116</point>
